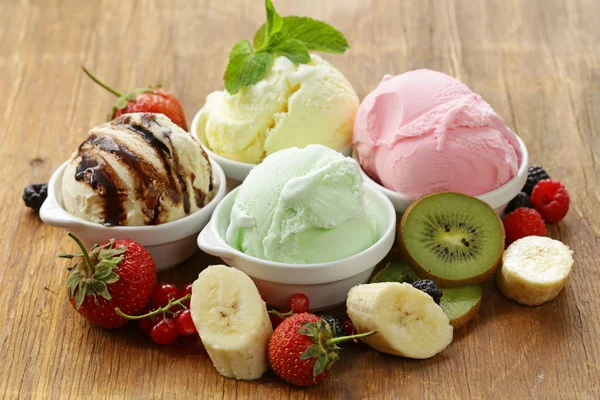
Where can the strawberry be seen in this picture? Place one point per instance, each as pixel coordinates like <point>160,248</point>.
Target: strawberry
<point>147,99</point>
<point>120,273</point>
<point>303,349</point>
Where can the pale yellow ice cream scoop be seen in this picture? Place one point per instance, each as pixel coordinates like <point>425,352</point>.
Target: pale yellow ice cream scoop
<point>139,169</point>
<point>293,106</point>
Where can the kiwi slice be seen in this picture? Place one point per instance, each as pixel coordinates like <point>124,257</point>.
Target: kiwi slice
<point>396,271</point>
<point>452,238</point>
<point>460,304</point>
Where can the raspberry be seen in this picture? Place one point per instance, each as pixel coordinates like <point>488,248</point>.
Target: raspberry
<point>535,173</point>
<point>523,222</point>
<point>520,200</point>
<point>551,199</point>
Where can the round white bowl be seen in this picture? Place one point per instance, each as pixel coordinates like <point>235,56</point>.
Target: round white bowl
<point>235,170</point>
<point>325,284</point>
<point>169,244</point>
<point>497,199</point>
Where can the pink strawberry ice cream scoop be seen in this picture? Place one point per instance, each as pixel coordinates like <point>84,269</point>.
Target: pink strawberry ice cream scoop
<point>423,132</point>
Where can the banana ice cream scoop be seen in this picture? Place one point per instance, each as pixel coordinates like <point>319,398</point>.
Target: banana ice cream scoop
<point>138,169</point>
<point>293,106</point>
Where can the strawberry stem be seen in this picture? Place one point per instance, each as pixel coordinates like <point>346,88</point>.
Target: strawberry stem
<point>344,338</point>
<point>282,315</point>
<point>99,82</point>
<point>88,261</point>
<point>159,310</point>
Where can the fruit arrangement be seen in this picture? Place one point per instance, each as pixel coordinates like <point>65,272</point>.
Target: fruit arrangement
<point>308,208</point>
<point>450,244</point>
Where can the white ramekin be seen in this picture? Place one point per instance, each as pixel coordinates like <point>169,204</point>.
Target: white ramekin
<point>235,170</point>
<point>325,284</point>
<point>497,199</point>
<point>169,244</point>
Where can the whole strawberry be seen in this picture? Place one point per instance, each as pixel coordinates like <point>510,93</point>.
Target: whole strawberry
<point>120,273</point>
<point>148,99</point>
<point>303,349</point>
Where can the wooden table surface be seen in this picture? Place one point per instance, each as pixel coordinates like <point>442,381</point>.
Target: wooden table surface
<point>536,62</point>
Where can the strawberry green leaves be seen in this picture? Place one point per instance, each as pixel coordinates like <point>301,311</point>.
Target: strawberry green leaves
<point>94,272</point>
<point>290,37</point>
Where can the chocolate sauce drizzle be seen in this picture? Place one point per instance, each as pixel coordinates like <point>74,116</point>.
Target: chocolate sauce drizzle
<point>143,173</point>
<point>101,177</point>
<point>149,184</point>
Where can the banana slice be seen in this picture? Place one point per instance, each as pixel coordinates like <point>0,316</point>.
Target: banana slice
<point>534,270</point>
<point>407,321</point>
<point>232,321</point>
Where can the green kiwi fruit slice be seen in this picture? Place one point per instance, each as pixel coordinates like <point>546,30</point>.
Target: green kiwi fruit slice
<point>396,271</point>
<point>460,304</point>
<point>452,239</point>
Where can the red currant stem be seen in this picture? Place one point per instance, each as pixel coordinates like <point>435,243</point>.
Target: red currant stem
<point>157,311</point>
<point>88,261</point>
<point>282,315</point>
<point>344,338</point>
<point>99,82</point>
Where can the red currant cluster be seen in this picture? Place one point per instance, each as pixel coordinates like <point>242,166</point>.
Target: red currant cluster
<point>169,316</point>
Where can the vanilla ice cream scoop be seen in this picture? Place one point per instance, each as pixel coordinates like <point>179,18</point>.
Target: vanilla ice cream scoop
<point>293,106</point>
<point>139,169</point>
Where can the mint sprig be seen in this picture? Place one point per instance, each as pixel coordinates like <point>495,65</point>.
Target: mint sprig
<point>290,37</point>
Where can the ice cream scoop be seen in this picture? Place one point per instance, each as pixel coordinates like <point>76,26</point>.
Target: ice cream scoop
<point>423,131</point>
<point>293,106</point>
<point>138,169</point>
<point>302,206</point>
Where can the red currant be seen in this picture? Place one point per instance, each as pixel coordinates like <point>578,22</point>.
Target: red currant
<point>185,290</point>
<point>299,303</point>
<point>164,331</point>
<point>184,323</point>
<point>163,292</point>
<point>147,323</point>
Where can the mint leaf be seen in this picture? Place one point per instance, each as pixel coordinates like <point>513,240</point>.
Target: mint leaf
<point>274,21</point>
<point>292,49</point>
<point>245,67</point>
<point>260,37</point>
<point>269,28</point>
<point>315,35</point>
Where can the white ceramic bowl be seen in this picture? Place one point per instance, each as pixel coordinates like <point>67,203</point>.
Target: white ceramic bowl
<point>325,284</point>
<point>498,199</point>
<point>169,244</point>
<point>235,170</point>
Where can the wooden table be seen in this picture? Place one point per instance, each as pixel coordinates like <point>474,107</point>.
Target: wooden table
<point>536,62</point>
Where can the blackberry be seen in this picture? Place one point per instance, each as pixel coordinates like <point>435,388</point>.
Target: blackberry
<point>35,194</point>
<point>429,287</point>
<point>336,326</point>
<point>520,200</point>
<point>535,174</point>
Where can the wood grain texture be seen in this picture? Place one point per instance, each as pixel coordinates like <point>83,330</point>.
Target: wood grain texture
<point>537,62</point>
